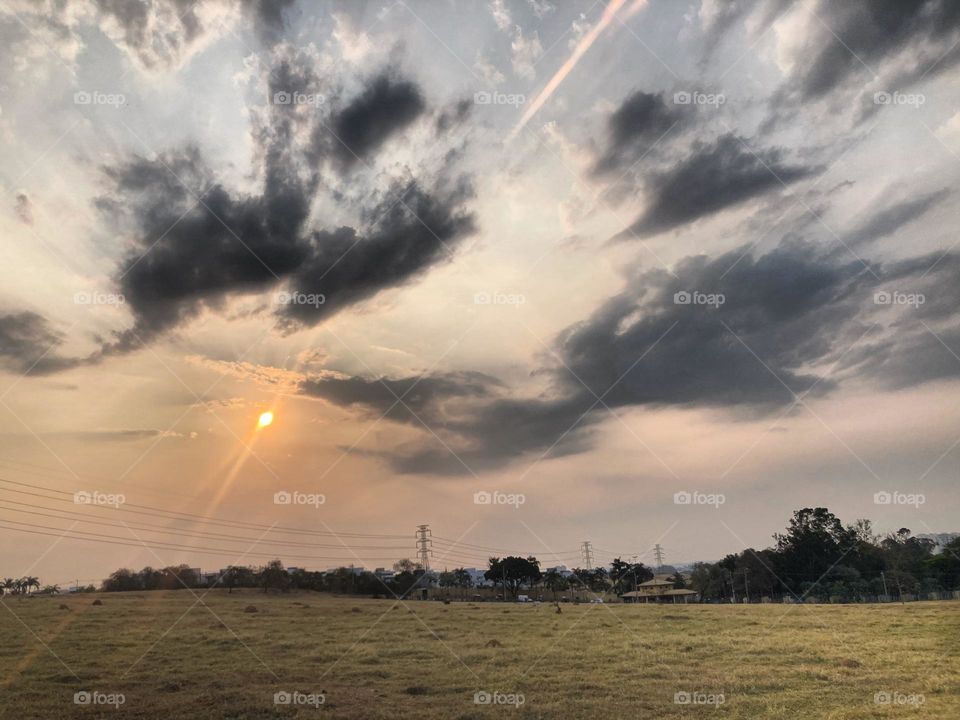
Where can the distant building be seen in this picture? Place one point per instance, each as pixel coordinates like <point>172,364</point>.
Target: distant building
<point>658,590</point>
<point>561,570</point>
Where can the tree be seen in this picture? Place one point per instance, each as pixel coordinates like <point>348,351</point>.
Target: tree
<point>815,541</point>
<point>555,582</point>
<point>274,577</point>
<point>514,572</point>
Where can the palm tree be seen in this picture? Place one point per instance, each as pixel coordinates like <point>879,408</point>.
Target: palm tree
<point>30,582</point>
<point>8,585</point>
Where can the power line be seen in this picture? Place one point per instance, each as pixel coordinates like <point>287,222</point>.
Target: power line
<point>149,510</point>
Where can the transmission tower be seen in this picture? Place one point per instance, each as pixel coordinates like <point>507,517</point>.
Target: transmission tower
<point>658,554</point>
<point>424,543</point>
<point>587,553</point>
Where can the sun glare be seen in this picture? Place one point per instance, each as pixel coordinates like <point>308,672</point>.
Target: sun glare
<point>265,419</point>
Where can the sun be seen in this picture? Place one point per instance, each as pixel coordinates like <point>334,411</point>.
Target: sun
<point>265,419</point>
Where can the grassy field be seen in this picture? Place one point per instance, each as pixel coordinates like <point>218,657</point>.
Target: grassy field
<point>172,658</point>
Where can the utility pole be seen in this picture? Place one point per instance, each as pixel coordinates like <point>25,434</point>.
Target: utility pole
<point>746,583</point>
<point>587,553</point>
<point>424,543</point>
<point>658,554</point>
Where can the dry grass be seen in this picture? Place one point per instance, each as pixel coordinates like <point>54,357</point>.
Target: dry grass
<point>374,659</point>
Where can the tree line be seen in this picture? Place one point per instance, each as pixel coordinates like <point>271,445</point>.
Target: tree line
<point>816,556</point>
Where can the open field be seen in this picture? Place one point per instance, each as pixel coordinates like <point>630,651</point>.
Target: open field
<point>172,658</point>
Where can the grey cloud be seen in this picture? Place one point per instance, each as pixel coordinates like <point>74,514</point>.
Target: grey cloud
<point>633,128</point>
<point>199,246</point>
<point>24,208</point>
<point>386,106</point>
<point>713,177</point>
<point>890,219</point>
<point>28,344</point>
<point>794,320</point>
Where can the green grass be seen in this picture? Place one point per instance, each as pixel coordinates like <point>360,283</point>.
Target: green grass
<point>377,659</point>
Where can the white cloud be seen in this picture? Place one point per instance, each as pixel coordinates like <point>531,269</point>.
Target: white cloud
<point>525,52</point>
<point>487,71</point>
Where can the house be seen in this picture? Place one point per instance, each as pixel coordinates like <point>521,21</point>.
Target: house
<point>659,590</point>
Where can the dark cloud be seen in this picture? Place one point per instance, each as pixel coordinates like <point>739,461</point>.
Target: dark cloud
<point>402,399</point>
<point>24,208</point>
<point>634,127</point>
<point>28,345</point>
<point>860,33</point>
<point>887,45</point>
<point>793,321</point>
<point>386,106</point>
<point>888,220</point>
<point>713,177</point>
<point>728,13</point>
<point>158,32</point>
<point>200,243</point>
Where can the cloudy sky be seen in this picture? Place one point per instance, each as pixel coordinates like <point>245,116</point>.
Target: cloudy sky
<point>593,253</point>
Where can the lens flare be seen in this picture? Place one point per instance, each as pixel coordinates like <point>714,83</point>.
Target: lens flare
<point>265,419</point>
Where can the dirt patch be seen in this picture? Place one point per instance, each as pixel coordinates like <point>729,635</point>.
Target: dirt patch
<point>250,609</point>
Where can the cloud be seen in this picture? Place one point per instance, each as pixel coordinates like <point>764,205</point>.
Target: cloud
<point>24,208</point>
<point>713,177</point>
<point>28,345</point>
<point>386,106</point>
<point>633,128</point>
<point>792,321</point>
<point>501,16</point>
<point>525,51</point>
<point>842,48</point>
<point>890,219</point>
<point>235,243</point>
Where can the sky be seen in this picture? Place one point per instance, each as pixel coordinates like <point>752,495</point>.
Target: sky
<point>532,273</point>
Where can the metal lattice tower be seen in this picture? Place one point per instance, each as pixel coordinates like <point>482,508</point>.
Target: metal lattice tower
<point>424,545</point>
<point>658,554</point>
<point>587,552</point>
